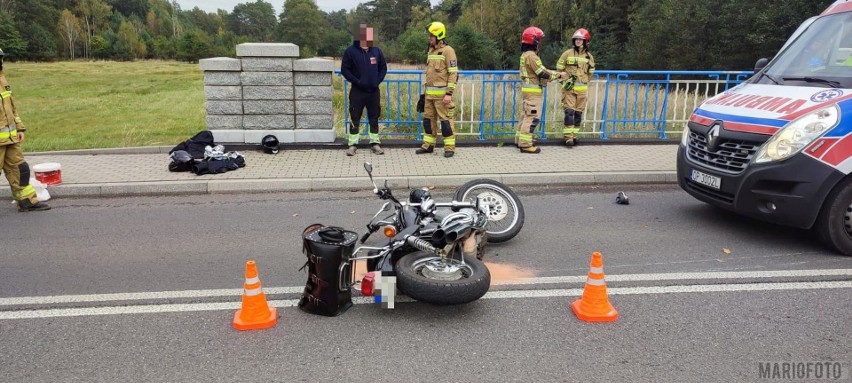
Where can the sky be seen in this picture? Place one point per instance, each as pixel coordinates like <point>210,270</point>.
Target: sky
<point>228,5</point>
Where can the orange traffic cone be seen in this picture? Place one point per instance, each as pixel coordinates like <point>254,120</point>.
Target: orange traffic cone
<point>594,306</point>
<point>255,313</point>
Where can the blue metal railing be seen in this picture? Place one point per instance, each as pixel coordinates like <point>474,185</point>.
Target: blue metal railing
<point>620,103</point>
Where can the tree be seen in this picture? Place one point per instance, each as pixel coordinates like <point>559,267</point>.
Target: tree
<point>10,39</point>
<point>94,14</point>
<point>474,49</point>
<point>303,24</point>
<point>256,20</point>
<point>193,46</point>
<point>128,44</point>
<point>69,29</point>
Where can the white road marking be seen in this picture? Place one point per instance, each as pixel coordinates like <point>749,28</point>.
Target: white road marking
<point>157,295</point>
<point>174,308</point>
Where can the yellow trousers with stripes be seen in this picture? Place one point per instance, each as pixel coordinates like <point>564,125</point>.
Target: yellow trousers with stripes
<point>11,156</point>
<point>435,112</point>
<point>532,103</point>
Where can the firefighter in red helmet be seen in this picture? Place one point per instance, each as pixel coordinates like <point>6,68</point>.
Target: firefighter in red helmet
<point>534,79</point>
<point>580,66</point>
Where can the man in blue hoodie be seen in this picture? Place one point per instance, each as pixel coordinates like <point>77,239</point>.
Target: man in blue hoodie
<point>364,67</point>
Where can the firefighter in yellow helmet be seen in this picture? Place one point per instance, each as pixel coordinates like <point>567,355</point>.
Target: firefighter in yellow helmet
<point>534,79</point>
<point>580,65</point>
<point>12,130</point>
<point>442,72</point>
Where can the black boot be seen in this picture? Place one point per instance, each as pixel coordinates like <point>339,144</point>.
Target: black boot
<point>424,151</point>
<point>26,205</point>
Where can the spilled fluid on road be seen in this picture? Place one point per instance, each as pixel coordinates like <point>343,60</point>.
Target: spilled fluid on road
<point>502,272</point>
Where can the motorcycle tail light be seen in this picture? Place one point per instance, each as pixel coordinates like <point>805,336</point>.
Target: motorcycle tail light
<point>367,284</point>
<point>390,231</point>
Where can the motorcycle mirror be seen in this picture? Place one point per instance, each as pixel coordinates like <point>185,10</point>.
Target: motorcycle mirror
<point>369,168</point>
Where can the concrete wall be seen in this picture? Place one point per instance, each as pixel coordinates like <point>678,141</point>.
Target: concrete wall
<point>268,90</point>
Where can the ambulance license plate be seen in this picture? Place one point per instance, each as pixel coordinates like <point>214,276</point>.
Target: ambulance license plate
<point>706,179</point>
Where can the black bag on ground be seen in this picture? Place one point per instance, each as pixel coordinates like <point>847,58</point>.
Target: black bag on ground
<point>327,248</point>
<point>196,144</point>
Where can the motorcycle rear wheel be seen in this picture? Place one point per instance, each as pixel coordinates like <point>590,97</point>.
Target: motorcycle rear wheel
<point>427,278</point>
<point>507,213</point>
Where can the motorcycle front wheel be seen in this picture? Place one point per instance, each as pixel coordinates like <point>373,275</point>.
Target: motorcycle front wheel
<point>506,216</point>
<point>426,277</point>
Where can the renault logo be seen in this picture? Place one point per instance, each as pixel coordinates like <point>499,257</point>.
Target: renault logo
<point>713,137</point>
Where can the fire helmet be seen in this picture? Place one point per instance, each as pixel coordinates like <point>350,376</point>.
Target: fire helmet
<point>270,144</point>
<point>582,33</point>
<point>437,29</point>
<point>532,36</point>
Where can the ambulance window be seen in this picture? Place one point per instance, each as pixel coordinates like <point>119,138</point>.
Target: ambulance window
<point>822,51</point>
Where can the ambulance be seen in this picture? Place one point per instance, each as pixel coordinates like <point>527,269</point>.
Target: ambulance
<point>778,147</point>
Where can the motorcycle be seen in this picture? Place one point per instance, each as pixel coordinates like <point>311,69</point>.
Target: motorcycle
<point>434,250</point>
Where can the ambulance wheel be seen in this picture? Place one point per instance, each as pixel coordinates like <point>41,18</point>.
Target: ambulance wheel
<point>834,224</point>
<point>426,277</point>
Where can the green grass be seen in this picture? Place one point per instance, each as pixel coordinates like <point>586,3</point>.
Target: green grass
<point>81,105</point>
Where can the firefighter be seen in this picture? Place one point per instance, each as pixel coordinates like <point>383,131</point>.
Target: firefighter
<point>534,79</point>
<point>580,66</point>
<point>441,74</point>
<point>365,67</point>
<point>12,130</point>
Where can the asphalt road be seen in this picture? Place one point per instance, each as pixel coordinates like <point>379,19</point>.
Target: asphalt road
<point>144,289</point>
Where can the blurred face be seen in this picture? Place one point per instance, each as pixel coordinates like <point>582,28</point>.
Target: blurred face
<point>578,42</point>
<point>366,36</point>
<point>432,39</point>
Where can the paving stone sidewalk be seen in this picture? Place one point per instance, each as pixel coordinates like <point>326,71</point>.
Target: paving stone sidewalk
<point>102,174</point>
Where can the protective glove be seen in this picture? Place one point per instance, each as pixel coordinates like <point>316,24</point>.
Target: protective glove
<point>421,104</point>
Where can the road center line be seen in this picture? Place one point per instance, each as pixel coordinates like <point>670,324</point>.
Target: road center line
<point>191,307</point>
<point>190,294</point>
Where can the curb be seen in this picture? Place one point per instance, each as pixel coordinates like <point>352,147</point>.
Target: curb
<point>174,188</point>
<point>340,144</point>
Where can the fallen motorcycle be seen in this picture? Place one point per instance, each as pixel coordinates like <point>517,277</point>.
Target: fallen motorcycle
<point>433,250</point>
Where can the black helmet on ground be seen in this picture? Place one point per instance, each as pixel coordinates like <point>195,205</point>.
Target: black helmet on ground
<point>270,144</point>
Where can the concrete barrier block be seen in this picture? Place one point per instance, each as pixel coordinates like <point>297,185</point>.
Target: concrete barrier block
<point>266,78</point>
<point>314,121</point>
<point>314,107</point>
<point>216,92</point>
<point>267,64</point>
<point>229,136</point>
<point>283,136</point>
<point>224,107</point>
<point>312,78</point>
<point>221,78</point>
<point>313,64</point>
<point>269,122</point>
<point>269,107</point>
<point>268,93</point>
<point>267,50</point>
<point>220,64</point>
<point>224,122</point>
<point>314,135</point>
<point>320,93</point>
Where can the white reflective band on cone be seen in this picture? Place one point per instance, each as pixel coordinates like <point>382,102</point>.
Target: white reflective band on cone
<point>595,282</point>
<point>254,292</point>
<point>254,280</point>
<point>596,270</point>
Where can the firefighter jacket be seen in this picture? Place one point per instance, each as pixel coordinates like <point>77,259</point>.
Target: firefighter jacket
<point>10,123</point>
<point>442,71</point>
<point>580,64</point>
<point>534,76</point>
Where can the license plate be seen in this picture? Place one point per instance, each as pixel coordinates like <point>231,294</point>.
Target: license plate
<point>706,179</point>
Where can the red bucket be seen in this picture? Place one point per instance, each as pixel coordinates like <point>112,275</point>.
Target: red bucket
<point>48,173</point>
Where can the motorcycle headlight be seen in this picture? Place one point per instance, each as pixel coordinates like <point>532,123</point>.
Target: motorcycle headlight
<point>684,137</point>
<point>797,135</point>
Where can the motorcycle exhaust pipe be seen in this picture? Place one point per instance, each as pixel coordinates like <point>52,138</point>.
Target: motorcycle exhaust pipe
<point>454,235</point>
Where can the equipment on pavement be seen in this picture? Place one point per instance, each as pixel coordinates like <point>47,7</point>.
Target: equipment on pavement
<point>255,313</point>
<point>270,144</point>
